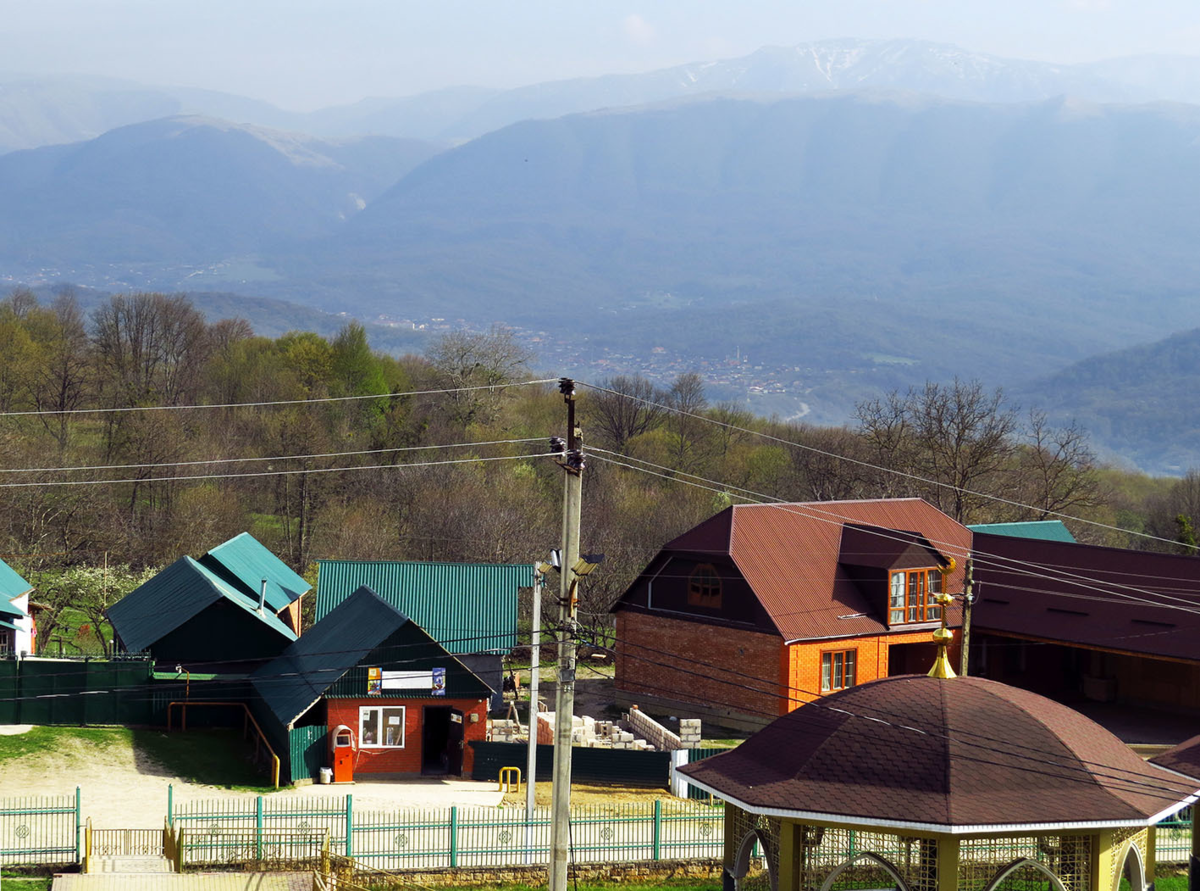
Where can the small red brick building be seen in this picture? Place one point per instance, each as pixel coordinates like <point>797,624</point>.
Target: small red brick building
<point>411,707</point>
<point>764,607</point>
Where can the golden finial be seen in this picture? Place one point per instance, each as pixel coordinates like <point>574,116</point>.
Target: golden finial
<point>941,665</point>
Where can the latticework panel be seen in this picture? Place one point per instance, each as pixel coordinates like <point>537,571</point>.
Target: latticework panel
<point>766,830</point>
<point>857,859</point>
<point>1140,839</point>
<point>982,860</point>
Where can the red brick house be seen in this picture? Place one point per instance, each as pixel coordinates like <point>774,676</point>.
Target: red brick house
<point>411,707</point>
<point>764,607</point>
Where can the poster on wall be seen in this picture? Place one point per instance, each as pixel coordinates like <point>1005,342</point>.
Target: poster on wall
<point>439,682</point>
<point>374,681</point>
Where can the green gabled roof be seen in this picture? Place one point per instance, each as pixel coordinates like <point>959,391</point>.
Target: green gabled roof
<point>9,609</point>
<point>11,584</point>
<point>1046,530</point>
<point>167,601</point>
<point>243,562</point>
<point>292,682</point>
<point>466,607</point>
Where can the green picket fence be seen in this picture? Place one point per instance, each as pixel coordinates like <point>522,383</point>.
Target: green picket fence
<point>40,830</point>
<point>1173,839</point>
<point>451,837</point>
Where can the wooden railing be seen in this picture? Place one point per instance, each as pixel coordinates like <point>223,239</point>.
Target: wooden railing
<point>260,738</point>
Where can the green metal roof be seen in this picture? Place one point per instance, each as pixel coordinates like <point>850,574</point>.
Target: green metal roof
<point>357,627</point>
<point>11,584</point>
<point>466,607</point>
<point>243,562</point>
<point>167,601</point>
<point>9,609</point>
<point>1046,530</point>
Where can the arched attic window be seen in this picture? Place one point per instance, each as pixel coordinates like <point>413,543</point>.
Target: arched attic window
<point>704,587</point>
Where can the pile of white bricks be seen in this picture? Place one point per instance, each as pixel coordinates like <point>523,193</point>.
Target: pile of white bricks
<point>640,732</point>
<point>506,731</point>
<point>659,736</point>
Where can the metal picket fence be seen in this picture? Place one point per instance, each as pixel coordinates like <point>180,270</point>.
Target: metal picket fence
<point>450,837</point>
<point>40,829</point>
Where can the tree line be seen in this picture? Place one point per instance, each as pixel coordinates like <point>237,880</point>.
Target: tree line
<point>362,472</point>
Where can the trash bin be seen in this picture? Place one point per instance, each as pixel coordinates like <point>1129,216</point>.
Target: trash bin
<point>326,776</point>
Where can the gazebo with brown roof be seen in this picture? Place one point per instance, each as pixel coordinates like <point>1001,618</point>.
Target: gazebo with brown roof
<point>933,784</point>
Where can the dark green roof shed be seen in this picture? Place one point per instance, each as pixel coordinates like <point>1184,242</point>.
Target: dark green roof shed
<point>332,659</point>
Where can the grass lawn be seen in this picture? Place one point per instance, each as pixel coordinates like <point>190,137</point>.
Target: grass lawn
<point>10,882</point>
<point>677,884</point>
<point>216,757</point>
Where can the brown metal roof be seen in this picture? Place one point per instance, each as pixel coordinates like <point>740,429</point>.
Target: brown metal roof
<point>1136,601</point>
<point>789,554</point>
<point>965,752</point>
<point>1184,758</point>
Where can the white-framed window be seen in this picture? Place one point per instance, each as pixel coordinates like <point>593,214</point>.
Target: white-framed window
<point>381,727</point>
<point>838,670</point>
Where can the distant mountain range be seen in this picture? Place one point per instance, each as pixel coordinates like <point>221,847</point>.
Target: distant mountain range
<point>47,111</point>
<point>834,239</point>
<point>186,192</point>
<point>1140,405</point>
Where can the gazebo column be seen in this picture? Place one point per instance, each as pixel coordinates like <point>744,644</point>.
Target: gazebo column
<point>1194,863</point>
<point>732,840</point>
<point>791,846</point>
<point>1102,862</point>
<point>947,863</point>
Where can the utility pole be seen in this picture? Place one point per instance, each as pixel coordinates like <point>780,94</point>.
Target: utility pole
<point>968,601</point>
<point>564,700</point>
<point>535,653</point>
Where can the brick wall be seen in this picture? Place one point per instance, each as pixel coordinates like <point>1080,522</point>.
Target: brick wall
<point>871,656</point>
<point>701,663</point>
<point>407,759</point>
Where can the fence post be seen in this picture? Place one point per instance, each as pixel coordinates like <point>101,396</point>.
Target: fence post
<point>453,836</point>
<point>258,829</point>
<point>349,825</point>
<point>78,825</point>
<point>171,804</point>
<point>658,829</point>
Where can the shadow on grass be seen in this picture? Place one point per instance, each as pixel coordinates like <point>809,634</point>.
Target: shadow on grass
<point>212,757</point>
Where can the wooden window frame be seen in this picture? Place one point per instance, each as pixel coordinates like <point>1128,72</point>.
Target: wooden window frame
<point>830,657</point>
<point>382,707</point>
<point>706,592</point>
<point>918,587</point>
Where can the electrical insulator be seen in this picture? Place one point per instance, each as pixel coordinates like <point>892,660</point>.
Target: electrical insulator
<point>575,460</point>
<point>558,445</point>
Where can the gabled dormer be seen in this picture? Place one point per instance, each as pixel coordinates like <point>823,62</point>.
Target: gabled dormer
<point>898,571</point>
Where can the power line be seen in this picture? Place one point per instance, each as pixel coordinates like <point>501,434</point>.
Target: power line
<point>422,448</point>
<point>867,464</point>
<point>311,401</point>
<point>813,511</point>
<point>262,473</point>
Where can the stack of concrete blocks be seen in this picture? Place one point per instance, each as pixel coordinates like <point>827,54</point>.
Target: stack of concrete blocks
<point>659,736</point>
<point>505,731</point>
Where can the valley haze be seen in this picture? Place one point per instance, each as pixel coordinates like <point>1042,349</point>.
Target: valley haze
<point>806,226</point>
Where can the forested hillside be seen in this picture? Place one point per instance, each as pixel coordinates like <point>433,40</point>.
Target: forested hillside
<point>141,432</point>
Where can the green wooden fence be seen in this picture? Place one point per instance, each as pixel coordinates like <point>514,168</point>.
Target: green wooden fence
<point>40,830</point>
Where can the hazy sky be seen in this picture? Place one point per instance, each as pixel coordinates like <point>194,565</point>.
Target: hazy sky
<point>303,54</point>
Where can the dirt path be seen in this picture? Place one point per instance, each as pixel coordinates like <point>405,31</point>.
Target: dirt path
<point>123,788</point>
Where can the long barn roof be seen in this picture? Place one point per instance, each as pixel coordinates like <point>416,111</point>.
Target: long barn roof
<point>466,607</point>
